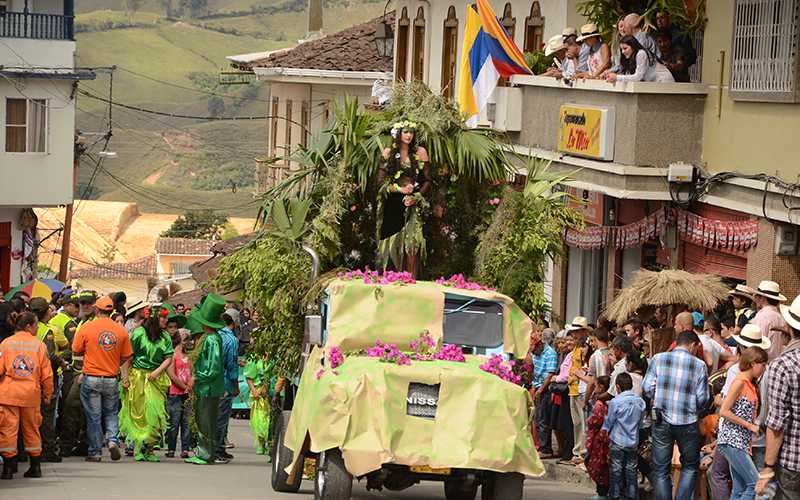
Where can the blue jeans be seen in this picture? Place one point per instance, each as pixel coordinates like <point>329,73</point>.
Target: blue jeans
<point>743,472</point>
<point>180,411</point>
<point>100,401</point>
<point>663,437</point>
<point>623,472</point>
<point>224,416</point>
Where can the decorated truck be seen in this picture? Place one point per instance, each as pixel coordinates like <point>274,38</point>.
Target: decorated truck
<point>407,381</point>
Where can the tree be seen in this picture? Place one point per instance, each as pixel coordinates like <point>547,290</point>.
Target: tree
<point>198,224</point>
<point>216,106</point>
<point>131,7</point>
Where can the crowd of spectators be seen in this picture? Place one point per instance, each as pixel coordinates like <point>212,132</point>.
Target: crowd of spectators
<point>718,411</point>
<point>663,55</point>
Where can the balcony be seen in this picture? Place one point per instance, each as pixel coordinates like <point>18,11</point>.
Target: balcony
<point>36,26</point>
<point>633,124</point>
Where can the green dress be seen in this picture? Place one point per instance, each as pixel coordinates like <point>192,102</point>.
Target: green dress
<point>209,386</point>
<point>260,372</point>
<point>143,416</point>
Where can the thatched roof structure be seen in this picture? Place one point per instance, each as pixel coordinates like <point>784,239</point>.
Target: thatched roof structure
<point>663,288</point>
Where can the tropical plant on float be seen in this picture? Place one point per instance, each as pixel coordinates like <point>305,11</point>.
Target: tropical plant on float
<point>524,233</point>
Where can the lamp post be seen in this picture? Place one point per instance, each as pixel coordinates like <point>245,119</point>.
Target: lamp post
<point>384,36</point>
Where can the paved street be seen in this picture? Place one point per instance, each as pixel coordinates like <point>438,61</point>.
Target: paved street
<point>246,478</point>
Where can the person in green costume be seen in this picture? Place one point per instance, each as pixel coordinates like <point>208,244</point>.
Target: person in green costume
<point>143,417</point>
<point>209,380</point>
<point>258,373</point>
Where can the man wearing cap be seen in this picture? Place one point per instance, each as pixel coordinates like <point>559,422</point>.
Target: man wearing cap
<point>41,308</point>
<point>782,460</point>
<point>555,47</point>
<point>595,56</point>
<point>230,357</point>
<point>767,297</point>
<point>209,380</point>
<point>106,349</point>
<point>579,328</point>
<point>65,323</point>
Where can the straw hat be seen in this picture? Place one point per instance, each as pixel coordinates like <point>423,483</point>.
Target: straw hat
<point>791,314</point>
<point>751,336</point>
<point>770,290</point>
<point>578,323</point>
<point>555,44</point>
<point>743,291</point>
<point>587,31</point>
<point>568,32</point>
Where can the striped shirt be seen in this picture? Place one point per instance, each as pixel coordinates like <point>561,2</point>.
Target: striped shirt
<point>544,365</point>
<point>677,383</point>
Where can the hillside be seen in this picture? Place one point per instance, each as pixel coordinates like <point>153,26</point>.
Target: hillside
<point>167,164</point>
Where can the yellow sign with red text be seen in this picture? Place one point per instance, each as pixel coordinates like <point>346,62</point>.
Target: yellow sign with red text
<point>586,131</point>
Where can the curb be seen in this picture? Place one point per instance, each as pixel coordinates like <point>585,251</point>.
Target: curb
<point>566,474</point>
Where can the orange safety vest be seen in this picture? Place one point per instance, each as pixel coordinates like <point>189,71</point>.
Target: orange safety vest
<point>25,371</point>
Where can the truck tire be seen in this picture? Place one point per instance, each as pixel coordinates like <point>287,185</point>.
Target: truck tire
<point>460,489</point>
<point>332,481</point>
<point>282,457</point>
<point>503,486</point>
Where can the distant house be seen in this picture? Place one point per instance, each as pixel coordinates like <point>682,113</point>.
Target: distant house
<point>307,81</point>
<point>37,113</point>
<point>168,265</point>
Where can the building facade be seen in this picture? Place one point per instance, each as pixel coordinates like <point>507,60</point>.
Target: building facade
<point>38,80</point>
<point>696,176</point>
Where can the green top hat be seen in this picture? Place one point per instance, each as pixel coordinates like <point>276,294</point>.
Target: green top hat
<point>194,326</point>
<point>209,314</point>
<point>178,318</point>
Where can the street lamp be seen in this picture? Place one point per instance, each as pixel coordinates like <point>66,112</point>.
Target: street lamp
<point>384,36</point>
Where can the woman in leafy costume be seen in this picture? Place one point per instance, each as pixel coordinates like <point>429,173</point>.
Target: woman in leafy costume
<point>404,179</point>
<point>258,373</point>
<point>143,416</point>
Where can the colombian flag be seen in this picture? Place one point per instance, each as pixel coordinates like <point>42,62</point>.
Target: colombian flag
<point>488,54</point>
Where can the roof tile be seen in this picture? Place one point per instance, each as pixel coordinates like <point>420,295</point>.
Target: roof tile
<point>184,246</point>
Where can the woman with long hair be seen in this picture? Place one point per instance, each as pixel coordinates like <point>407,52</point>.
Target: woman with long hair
<point>403,180</point>
<point>143,417</point>
<point>637,64</point>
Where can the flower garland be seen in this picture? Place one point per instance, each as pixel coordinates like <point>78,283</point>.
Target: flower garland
<point>398,127</point>
<point>378,278</point>
<point>497,365</point>
<point>458,281</point>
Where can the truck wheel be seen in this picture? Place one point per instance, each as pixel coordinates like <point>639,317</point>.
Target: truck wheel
<point>503,486</point>
<point>332,482</point>
<point>459,489</point>
<point>282,457</point>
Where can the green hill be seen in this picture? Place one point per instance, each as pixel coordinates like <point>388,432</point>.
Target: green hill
<point>172,65</point>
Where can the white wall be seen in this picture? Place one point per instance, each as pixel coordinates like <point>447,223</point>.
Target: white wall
<point>38,53</point>
<point>320,94</point>
<point>39,179</point>
<point>12,215</point>
<point>555,12</point>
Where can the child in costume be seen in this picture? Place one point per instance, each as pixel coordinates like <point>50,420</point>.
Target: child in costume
<point>258,373</point>
<point>143,417</point>
<point>209,380</point>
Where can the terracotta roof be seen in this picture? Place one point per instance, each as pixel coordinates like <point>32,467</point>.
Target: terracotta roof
<point>184,246</point>
<point>138,269</point>
<point>352,49</point>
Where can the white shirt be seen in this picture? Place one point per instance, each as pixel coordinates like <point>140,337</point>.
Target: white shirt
<point>714,348</point>
<point>621,366</point>
<point>646,72</point>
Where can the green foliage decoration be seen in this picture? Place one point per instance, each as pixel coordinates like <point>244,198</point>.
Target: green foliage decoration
<point>538,62</point>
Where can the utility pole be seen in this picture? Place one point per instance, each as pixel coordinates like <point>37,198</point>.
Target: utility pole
<point>63,267</point>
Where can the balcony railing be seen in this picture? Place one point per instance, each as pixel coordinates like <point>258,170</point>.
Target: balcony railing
<point>37,26</point>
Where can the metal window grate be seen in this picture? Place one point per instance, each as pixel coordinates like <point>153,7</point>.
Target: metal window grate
<point>763,58</point>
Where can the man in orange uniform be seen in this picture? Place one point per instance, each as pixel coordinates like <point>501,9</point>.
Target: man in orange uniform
<point>105,347</point>
<point>26,379</point>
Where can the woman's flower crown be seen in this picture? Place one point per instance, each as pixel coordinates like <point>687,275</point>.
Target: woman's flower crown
<point>403,125</point>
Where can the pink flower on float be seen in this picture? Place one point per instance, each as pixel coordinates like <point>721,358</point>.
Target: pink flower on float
<point>335,357</point>
<point>450,352</point>
<point>319,373</point>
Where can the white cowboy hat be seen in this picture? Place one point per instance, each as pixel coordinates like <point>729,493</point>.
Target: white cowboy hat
<point>568,31</point>
<point>770,290</point>
<point>578,323</point>
<point>587,31</point>
<point>791,314</point>
<point>555,44</point>
<point>750,336</point>
<point>742,291</point>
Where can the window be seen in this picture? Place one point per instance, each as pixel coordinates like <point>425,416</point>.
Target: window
<point>3,6</point>
<point>402,46</point>
<point>418,56</point>
<point>508,21</point>
<point>764,55</point>
<point>26,125</point>
<point>534,29</point>
<point>449,51</point>
<point>179,268</point>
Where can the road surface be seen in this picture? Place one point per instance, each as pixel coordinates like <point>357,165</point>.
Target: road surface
<point>245,478</point>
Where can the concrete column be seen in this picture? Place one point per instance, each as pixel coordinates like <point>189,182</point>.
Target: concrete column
<point>314,16</point>
<point>763,264</point>
<point>559,305</point>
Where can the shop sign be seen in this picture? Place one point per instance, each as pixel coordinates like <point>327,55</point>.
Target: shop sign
<point>585,130</point>
<point>589,203</point>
